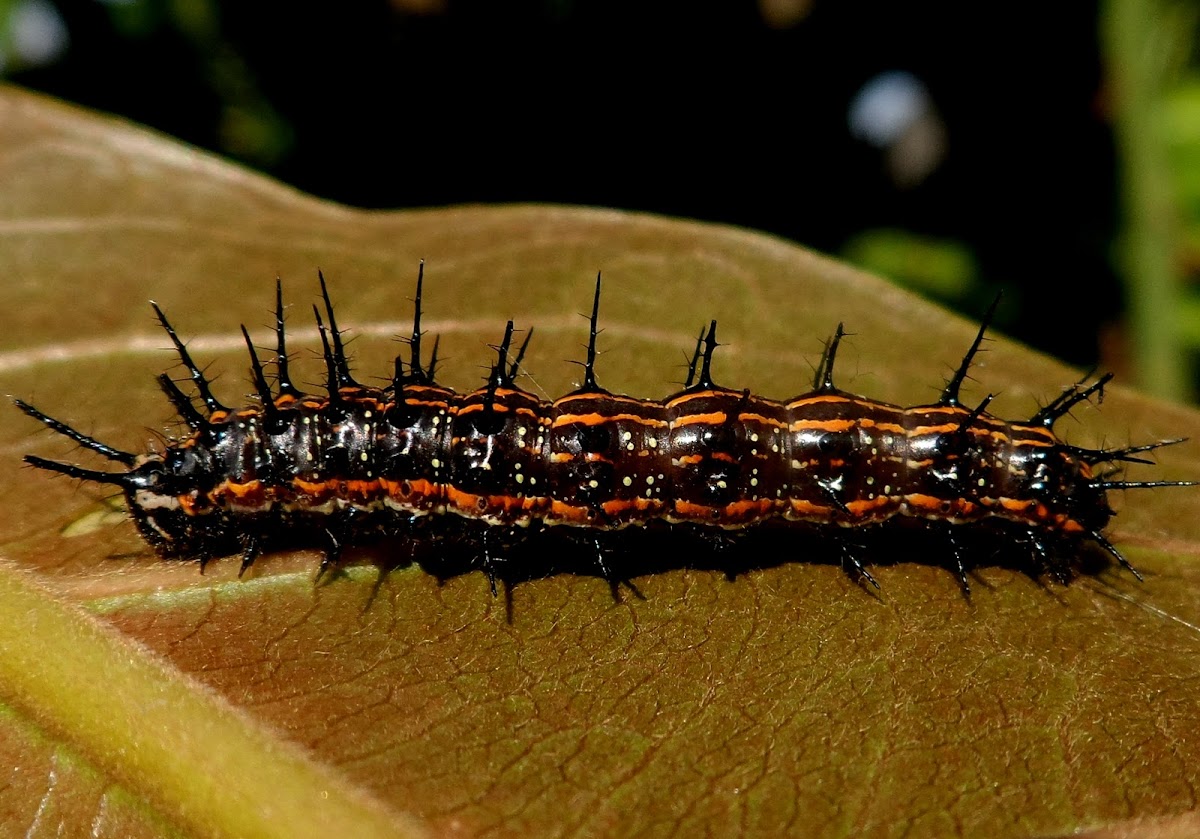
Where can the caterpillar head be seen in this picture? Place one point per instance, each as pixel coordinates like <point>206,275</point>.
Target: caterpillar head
<point>160,491</point>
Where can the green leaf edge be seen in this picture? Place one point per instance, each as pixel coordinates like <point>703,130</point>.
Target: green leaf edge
<point>200,763</point>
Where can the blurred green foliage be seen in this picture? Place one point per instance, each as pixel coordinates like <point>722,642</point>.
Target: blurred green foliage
<point>1155,110</point>
<point>1181,133</point>
<point>250,128</point>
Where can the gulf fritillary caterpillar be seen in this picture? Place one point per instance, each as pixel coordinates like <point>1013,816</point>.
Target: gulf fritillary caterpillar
<point>357,463</point>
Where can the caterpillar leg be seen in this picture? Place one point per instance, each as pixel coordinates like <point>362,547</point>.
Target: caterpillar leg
<point>846,551</point>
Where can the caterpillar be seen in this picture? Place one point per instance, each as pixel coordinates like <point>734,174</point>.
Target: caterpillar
<point>359,463</point>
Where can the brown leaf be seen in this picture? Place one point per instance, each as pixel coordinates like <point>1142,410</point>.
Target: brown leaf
<point>787,700</point>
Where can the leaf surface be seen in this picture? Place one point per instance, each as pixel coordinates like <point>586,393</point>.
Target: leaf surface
<point>141,698</point>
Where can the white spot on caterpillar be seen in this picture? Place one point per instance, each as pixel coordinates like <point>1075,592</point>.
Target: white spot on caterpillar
<point>520,478</point>
<point>627,481</point>
<point>146,500</point>
<point>652,442</point>
<point>593,484</point>
<point>164,533</point>
<point>754,438</point>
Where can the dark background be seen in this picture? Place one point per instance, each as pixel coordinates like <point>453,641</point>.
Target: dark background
<point>716,111</point>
